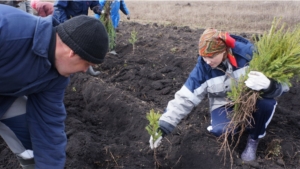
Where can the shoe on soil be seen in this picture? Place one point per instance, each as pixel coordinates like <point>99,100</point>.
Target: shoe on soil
<point>113,52</point>
<point>91,71</point>
<point>249,154</point>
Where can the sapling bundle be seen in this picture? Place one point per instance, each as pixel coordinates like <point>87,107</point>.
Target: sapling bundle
<point>277,56</point>
<point>107,22</point>
<point>153,131</point>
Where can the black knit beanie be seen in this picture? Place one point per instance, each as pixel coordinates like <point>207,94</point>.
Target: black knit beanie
<point>86,36</point>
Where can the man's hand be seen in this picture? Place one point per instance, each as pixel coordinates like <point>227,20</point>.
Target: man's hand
<point>257,81</point>
<point>128,17</point>
<point>156,143</point>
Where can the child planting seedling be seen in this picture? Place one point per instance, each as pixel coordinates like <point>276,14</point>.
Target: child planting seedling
<point>277,56</point>
<point>242,81</point>
<point>152,129</point>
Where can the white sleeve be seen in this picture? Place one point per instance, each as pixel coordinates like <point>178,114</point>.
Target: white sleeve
<point>180,106</point>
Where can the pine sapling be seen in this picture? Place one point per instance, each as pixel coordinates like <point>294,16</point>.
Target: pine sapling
<point>153,131</point>
<point>133,39</point>
<point>105,18</point>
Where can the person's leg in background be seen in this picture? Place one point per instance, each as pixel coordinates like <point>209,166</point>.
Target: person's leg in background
<point>14,131</point>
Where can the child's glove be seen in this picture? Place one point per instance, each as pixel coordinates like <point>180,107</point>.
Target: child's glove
<point>257,81</point>
<point>156,143</point>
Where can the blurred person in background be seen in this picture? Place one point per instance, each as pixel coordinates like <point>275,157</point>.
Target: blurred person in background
<point>42,9</point>
<point>64,10</point>
<point>221,58</point>
<point>37,56</point>
<point>115,7</point>
<point>22,4</point>
<point>25,6</point>
<point>11,3</point>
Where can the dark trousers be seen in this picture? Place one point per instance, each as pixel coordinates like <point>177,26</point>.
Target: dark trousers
<point>14,131</point>
<point>265,109</point>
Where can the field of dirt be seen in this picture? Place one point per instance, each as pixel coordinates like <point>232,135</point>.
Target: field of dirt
<point>107,114</point>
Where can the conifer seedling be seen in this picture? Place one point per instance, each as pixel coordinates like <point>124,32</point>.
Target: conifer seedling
<point>152,129</point>
<point>105,18</point>
<point>133,39</point>
<point>153,126</point>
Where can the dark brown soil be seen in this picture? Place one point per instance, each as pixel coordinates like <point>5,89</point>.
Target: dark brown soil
<point>107,114</point>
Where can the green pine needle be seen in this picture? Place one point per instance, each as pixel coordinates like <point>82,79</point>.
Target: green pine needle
<point>153,125</point>
<point>277,56</point>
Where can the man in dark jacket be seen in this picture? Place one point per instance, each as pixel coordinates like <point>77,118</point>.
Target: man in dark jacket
<point>64,10</point>
<point>37,56</point>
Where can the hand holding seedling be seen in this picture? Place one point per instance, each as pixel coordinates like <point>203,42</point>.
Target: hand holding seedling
<point>152,128</point>
<point>155,133</point>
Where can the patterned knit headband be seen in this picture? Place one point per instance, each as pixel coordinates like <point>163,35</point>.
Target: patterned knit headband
<point>214,42</point>
<point>210,43</point>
